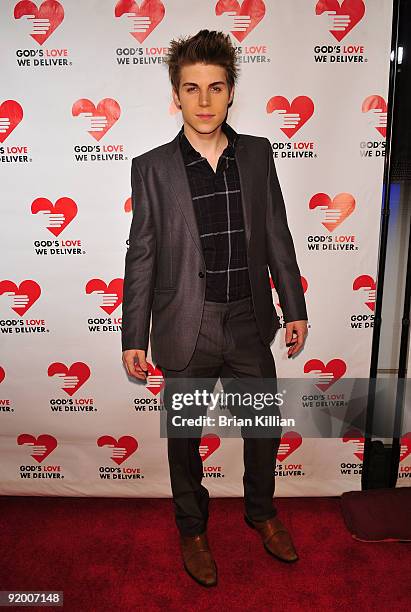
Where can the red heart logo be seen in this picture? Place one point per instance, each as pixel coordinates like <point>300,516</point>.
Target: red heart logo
<point>303,106</point>
<point>2,374</point>
<point>128,206</point>
<point>365,282</point>
<point>115,287</point>
<point>344,203</point>
<point>208,445</point>
<point>332,371</point>
<point>288,444</point>
<point>108,108</point>
<point>254,8</point>
<point>354,8</point>
<point>27,288</point>
<point>126,445</point>
<point>50,9</point>
<point>149,8</point>
<point>11,113</point>
<point>49,442</point>
<point>64,206</point>
<point>79,372</point>
<point>375,102</point>
<point>405,448</point>
<point>155,379</point>
<point>354,436</point>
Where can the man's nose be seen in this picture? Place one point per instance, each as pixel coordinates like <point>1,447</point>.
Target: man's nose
<point>204,98</point>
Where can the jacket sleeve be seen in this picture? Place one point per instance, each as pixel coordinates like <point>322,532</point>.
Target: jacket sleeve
<point>280,250</point>
<point>140,264</point>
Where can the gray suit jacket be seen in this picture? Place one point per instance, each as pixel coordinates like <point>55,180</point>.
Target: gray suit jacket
<point>164,265</point>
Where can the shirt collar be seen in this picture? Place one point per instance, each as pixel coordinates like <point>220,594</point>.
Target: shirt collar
<point>191,154</point>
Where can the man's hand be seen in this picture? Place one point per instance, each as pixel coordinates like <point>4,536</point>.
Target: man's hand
<point>135,363</point>
<point>295,334</point>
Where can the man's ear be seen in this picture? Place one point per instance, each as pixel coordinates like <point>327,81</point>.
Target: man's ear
<point>175,98</point>
<point>231,97</point>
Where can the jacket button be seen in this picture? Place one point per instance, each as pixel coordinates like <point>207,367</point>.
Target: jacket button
<point>201,274</point>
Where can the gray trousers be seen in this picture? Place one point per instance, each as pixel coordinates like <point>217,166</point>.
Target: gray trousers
<point>228,346</point>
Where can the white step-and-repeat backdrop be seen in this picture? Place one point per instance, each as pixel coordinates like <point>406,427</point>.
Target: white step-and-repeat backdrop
<point>82,93</point>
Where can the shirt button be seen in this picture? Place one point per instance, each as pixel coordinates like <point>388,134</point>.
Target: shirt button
<point>201,274</point>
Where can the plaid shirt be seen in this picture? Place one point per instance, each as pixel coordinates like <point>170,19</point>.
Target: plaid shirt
<point>217,204</point>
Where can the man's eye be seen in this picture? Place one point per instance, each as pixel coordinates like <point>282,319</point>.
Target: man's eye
<point>191,88</point>
<point>216,88</point>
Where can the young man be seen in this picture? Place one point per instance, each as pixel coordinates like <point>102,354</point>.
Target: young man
<point>208,219</point>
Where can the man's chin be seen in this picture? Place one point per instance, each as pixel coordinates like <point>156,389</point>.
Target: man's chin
<point>205,127</point>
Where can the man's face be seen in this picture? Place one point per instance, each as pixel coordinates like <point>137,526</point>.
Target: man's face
<point>204,97</point>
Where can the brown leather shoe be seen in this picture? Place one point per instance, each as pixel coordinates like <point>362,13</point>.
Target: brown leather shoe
<point>277,541</point>
<point>198,560</point>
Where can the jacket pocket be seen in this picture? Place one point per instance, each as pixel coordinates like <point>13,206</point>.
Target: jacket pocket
<point>167,290</point>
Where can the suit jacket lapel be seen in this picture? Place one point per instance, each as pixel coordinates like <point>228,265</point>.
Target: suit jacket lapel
<point>181,188</point>
<point>180,185</point>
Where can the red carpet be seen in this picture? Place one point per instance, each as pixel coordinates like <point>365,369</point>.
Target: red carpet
<point>121,554</point>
